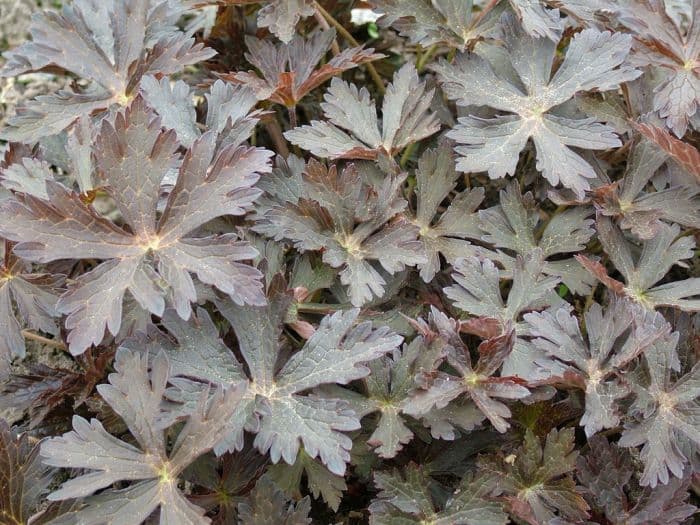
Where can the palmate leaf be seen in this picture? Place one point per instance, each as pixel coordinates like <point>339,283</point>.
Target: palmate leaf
<point>279,16</point>
<point>476,382</point>
<point>606,473</point>
<point>24,481</point>
<point>310,473</point>
<point>268,505</point>
<point>476,291</point>
<point>41,389</point>
<point>537,485</point>
<point>406,118</point>
<point>615,337</point>
<point>530,102</point>
<point>660,42</point>
<point>109,44</point>
<point>405,498</point>
<point>354,220</point>
<point>136,396</point>
<point>388,391</point>
<point>657,257</point>
<point>154,258</point>
<point>230,112</point>
<point>275,407</point>
<point>25,299</point>
<point>450,22</point>
<point>514,227</point>
<point>667,414</point>
<point>444,233</point>
<point>289,71</point>
<point>642,211</point>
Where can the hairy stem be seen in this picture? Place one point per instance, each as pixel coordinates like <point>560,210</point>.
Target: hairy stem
<point>53,343</point>
<point>378,82</point>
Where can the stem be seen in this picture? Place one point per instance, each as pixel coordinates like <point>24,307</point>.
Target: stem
<point>350,39</point>
<point>275,132</point>
<point>292,110</point>
<point>407,154</point>
<point>423,60</point>
<point>53,343</point>
<point>315,308</point>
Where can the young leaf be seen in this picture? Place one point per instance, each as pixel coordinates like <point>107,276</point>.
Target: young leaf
<point>289,71</point>
<point>667,414</point>
<point>109,44</point>
<point>537,484</point>
<point>406,498</point>
<point>474,381</point>
<point>154,258</point>
<point>477,291</point>
<point>354,221</point>
<point>615,337</point>
<point>136,396</point>
<point>657,257</point>
<point>406,118</point>
<point>494,144</point>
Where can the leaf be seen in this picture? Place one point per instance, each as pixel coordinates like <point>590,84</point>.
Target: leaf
<point>473,381</point>
<point>537,20</point>
<point>230,112</point>
<point>435,180</point>
<point>41,389</point>
<point>136,396</point>
<point>666,410</point>
<point>319,480</point>
<point>641,211</point>
<point>387,390</point>
<point>494,144</point>
<point>354,220</point>
<point>109,45</point>
<point>155,257</point>
<point>268,505</point>
<point>24,481</point>
<point>683,153</point>
<point>450,22</point>
<point>476,290</point>
<point>539,479</point>
<point>615,337</point>
<point>281,16</point>
<point>660,42</point>
<point>25,299</point>
<point>657,257</point>
<point>276,408</point>
<point>514,225</point>
<point>289,70</point>
<point>406,499</point>
<point>406,118</point>
<point>607,472</point>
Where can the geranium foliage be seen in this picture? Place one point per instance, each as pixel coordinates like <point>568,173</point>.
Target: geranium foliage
<point>349,261</point>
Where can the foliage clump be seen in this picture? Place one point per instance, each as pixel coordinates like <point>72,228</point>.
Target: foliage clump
<point>316,261</point>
